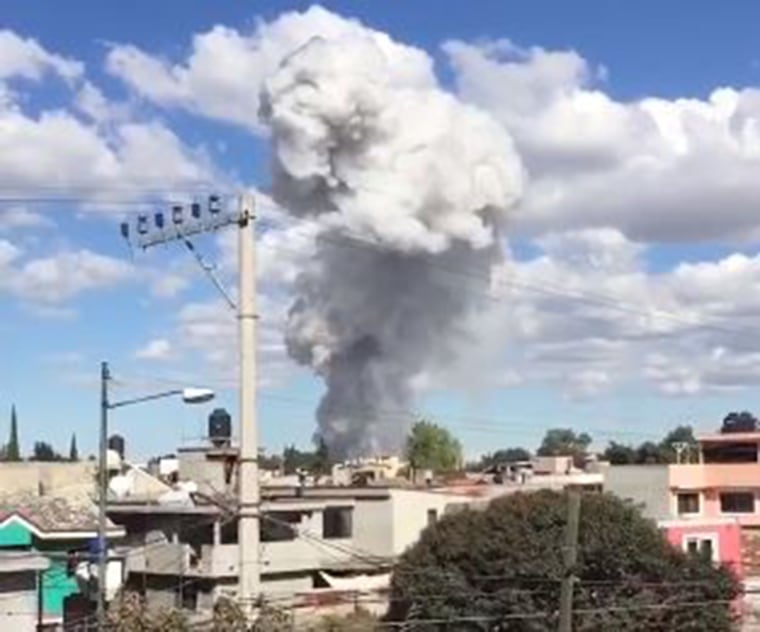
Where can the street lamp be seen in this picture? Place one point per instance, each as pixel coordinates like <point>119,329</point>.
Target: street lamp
<point>189,396</point>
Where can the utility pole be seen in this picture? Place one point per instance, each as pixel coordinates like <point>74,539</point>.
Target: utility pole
<point>569,559</point>
<point>159,231</point>
<point>248,470</point>
<point>102,496</point>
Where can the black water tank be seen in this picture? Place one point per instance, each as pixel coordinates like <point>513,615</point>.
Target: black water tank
<point>219,427</point>
<point>116,443</point>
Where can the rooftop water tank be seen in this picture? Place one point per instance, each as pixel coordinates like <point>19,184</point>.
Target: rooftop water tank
<point>220,428</point>
<point>116,443</point>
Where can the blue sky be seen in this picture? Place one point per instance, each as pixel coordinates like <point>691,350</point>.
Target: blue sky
<point>683,246</point>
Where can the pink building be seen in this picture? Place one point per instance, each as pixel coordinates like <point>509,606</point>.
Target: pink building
<point>724,485</point>
<point>717,538</point>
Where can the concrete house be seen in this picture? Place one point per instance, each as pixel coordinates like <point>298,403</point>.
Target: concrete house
<point>50,528</point>
<point>181,545</point>
<point>19,588</point>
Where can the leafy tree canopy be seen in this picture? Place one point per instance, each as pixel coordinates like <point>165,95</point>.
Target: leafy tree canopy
<point>565,442</point>
<point>506,455</point>
<point>666,451</point>
<point>45,452</point>
<point>743,421</point>
<point>317,462</point>
<point>504,565</point>
<point>431,447</point>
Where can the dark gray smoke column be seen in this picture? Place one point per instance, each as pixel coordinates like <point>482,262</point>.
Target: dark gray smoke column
<point>409,188</point>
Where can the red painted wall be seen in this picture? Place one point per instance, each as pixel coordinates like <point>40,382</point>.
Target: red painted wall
<point>728,535</point>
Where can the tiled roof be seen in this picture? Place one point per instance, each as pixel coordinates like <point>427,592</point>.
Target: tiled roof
<point>52,513</point>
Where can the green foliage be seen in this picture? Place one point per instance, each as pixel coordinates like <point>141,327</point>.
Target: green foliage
<point>269,461</point>
<point>506,561</point>
<point>683,435</point>
<point>322,464</point>
<point>565,442</point>
<point>744,421</point>
<point>358,621</point>
<point>649,452</point>
<point>73,451</point>
<point>12,450</point>
<point>317,462</point>
<point>228,616</point>
<point>507,455</point>
<point>128,613</point>
<point>619,454</point>
<point>44,452</point>
<point>272,619</point>
<point>431,447</point>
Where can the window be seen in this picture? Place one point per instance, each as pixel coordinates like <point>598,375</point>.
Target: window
<point>703,545</point>
<point>432,516</point>
<point>337,522</point>
<point>688,503</point>
<point>280,526</point>
<point>187,597</point>
<point>737,502</point>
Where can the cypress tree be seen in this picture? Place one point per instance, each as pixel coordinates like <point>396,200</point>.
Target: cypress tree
<point>12,452</point>
<point>73,451</point>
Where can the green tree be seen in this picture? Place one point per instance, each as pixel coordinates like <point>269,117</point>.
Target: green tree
<point>44,452</point>
<point>648,453</point>
<point>619,454</point>
<point>317,462</point>
<point>322,464</point>
<point>503,564</point>
<point>507,455</point>
<point>73,451</point>
<point>12,450</point>
<point>358,621</point>
<point>565,442</point>
<point>431,447</point>
<point>744,421</point>
<point>294,459</point>
<point>682,437</point>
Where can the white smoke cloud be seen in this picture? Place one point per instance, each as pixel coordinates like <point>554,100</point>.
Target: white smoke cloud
<point>379,157</point>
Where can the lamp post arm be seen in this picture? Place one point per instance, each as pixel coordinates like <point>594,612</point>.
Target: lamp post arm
<point>145,398</point>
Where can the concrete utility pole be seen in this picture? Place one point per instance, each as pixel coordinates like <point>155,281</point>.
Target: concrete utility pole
<point>569,559</point>
<point>180,229</point>
<point>248,470</point>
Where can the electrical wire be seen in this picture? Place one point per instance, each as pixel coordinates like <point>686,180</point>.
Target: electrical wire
<point>353,240</point>
<point>467,422</point>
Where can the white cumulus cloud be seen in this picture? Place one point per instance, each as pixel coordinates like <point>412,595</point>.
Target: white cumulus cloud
<point>156,349</point>
<point>657,169</point>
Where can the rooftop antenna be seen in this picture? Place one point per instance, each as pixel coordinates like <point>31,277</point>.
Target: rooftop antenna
<point>680,447</point>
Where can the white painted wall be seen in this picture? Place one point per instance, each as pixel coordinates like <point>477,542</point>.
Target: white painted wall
<point>410,513</point>
<point>17,611</point>
<point>373,526</point>
<point>18,602</point>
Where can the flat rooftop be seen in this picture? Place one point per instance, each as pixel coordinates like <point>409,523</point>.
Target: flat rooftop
<point>730,437</point>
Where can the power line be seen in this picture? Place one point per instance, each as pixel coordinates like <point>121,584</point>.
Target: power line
<point>348,239</point>
<point>473,423</point>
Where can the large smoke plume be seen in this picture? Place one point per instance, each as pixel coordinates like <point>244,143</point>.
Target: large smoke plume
<point>409,189</point>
